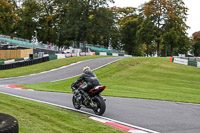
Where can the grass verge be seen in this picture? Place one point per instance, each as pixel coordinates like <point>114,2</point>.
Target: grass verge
<point>43,66</point>
<point>146,78</point>
<point>34,117</point>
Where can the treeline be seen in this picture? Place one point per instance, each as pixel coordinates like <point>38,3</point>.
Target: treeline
<point>155,27</point>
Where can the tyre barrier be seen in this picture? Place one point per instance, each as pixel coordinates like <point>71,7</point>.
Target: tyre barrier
<point>8,124</point>
<point>23,63</point>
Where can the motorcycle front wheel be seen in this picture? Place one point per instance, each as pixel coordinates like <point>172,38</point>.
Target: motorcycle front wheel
<point>100,105</point>
<point>75,103</point>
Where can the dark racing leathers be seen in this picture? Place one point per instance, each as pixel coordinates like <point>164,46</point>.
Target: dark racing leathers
<point>91,81</point>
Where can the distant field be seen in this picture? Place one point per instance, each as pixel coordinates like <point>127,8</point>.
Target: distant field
<point>147,78</point>
<point>43,66</point>
<point>34,117</point>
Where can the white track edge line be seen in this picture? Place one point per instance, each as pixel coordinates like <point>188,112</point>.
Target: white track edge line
<point>65,107</point>
<point>92,70</point>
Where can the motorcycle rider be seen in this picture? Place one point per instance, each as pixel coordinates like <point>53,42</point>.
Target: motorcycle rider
<point>91,81</point>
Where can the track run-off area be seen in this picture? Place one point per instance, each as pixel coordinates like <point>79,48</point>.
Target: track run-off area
<point>128,114</point>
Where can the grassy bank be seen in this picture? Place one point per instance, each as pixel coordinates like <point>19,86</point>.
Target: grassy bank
<point>43,66</point>
<point>34,117</point>
<point>148,78</point>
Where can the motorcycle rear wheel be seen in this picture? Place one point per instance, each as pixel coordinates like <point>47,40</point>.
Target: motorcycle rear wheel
<point>101,105</point>
<point>75,103</point>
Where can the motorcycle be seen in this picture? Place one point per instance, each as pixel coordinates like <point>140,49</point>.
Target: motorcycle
<point>96,101</point>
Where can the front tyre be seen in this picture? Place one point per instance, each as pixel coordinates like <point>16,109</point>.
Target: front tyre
<point>76,103</point>
<point>100,105</point>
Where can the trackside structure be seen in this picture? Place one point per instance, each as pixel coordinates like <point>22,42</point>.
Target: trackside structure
<point>191,61</point>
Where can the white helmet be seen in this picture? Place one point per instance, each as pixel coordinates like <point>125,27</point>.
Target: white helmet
<point>86,68</point>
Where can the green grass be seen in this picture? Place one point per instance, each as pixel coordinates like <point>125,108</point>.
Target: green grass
<point>146,78</point>
<point>34,117</point>
<point>43,66</point>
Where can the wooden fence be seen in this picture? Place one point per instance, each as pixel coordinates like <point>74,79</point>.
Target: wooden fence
<point>14,54</point>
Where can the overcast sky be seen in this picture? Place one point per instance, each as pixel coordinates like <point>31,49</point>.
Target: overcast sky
<point>193,13</point>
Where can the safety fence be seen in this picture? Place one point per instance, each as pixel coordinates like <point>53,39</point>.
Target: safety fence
<point>186,61</point>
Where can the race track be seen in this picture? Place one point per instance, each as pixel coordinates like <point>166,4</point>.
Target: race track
<point>160,116</point>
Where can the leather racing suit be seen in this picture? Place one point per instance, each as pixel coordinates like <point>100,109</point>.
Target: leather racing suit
<point>91,81</point>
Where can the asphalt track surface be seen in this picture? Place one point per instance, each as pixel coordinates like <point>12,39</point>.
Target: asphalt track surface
<point>160,116</point>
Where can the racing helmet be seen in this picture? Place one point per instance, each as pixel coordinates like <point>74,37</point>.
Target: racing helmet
<point>86,68</point>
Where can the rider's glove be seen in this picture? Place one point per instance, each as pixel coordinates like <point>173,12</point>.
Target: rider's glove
<point>74,84</point>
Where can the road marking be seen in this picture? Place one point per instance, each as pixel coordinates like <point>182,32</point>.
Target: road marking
<point>119,126</point>
<point>43,71</point>
<point>62,68</point>
<point>92,70</point>
<point>15,87</point>
<point>80,111</point>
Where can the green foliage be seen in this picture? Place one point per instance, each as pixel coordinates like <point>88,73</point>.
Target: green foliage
<point>8,18</point>
<point>160,24</point>
<point>169,17</point>
<point>196,43</point>
<point>129,22</point>
<point>146,34</point>
<point>28,14</point>
<point>88,21</point>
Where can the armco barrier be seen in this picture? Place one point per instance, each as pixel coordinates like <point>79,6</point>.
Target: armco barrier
<point>198,64</point>
<point>9,61</point>
<point>68,55</point>
<point>20,59</point>
<point>52,57</point>
<point>23,63</point>
<point>185,61</point>
<point>2,62</point>
<point>181,61</point>
<point>121,54</point>
<point>109,54</point>
<point>60,56</point>
<point>115,54</point>
<point>192,63</point>
<point>88,54</point>
<point>82,54</point>
<point>97,53</point>
<point>74,55</point>
<point>102,53</point>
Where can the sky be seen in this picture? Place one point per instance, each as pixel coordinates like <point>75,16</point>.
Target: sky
<point>193,20</point>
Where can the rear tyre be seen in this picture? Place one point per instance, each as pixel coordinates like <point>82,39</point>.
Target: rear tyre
<point>100,105</point>
<point>8,124</point>
<point>76,103</point>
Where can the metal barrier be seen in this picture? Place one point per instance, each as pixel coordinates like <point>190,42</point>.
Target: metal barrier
<point>197,59</point>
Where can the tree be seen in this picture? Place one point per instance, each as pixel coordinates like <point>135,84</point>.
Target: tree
<point>175,26</point>
<point>169,17</point>
<point>87,20</point>
<point>8,18</point>
<point>47,27</point>
<point>129,24</point>
<point>29,14</point>
<point>154,11</point>
<point>196,43</point>
<point>146,34</point>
